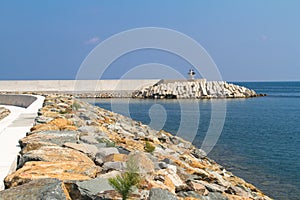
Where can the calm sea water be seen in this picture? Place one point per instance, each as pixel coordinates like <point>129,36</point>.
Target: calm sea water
<point>260,140</point>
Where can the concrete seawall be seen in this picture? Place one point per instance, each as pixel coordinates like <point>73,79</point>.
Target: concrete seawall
<point>17,100</point>
<point>74,85</point>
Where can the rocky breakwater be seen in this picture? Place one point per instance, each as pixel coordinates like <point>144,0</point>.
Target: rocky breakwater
<point>3,112</point>
<point>198,88</point>
<point>75,147</point>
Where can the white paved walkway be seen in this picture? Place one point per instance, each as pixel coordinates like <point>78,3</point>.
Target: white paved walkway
<point>12,128</point>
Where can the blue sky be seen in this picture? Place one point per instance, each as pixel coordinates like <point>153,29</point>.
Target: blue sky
<point>248,40</point>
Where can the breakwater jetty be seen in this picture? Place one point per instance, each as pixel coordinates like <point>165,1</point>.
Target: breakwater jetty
<point>148,88</point>
<point>73,149</point>
<point>197,88</point>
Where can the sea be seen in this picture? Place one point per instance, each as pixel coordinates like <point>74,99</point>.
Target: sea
<point>260,139</point>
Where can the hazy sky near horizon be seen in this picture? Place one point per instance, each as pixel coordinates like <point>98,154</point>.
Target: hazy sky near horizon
<point>248,40</point>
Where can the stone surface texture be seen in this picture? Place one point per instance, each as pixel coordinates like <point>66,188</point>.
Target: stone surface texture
<point>74,148</point>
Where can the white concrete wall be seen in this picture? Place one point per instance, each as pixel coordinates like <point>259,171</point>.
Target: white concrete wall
<point>74,85</point>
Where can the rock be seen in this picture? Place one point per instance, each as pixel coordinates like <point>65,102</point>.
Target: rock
<point>116,158</point>
<point>98,161</point>
<point>144,164</point>
<point>87,149</point>
<point>54,154</point>
<point>89,139</point>
<point>110,174</point>
<point>89,129</point>
<point>43,120</point>
<point>199,153</point>
<point>212,187</point>
<point>44,127</point>
<point>162,165</point>
<point>214,196</point>
<point>63,124</point>
<point>90,188</point>
<point>103,152</point>
<point>51,114</point>
<point>4,112</point>
<point>123,150</point>
<point>54,137</point>
<point>37,189</point>
<point>172,180</point>
<point>159,194</point>
<point>189,195</point>
<point>62,170</point>
<point>144,194</point>
<point>167,160</point>
<point>197,187</point>
<point>119,166</point>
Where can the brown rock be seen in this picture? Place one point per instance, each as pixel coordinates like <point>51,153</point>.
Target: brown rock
<point>132,144</point>
<point>51,114</point>
<point>44,127</point>
<point>116,158</point>
<point>34,146</point>
<point>198,187</point>
<point>69,128</point>
<point>55,154</point>
<point>62,170</point>
<point>63,124</point>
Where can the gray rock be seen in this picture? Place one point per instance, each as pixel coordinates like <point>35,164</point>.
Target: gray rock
<point>55,137</point>
<point>43,120</point>
<point>163,165</point>
<point>89,129</point>
<point>144,194</point>
<point>84,117</point>
<point>90,188</point>
<point>214,196</point>
<point>123,150</point>
<point>89,139</point>
<point>100,145</point>
<point>212,187</point>
<point>119,166</point>
<point>199,153</point>
<point>189,194</point>
<point>98,161</point>
<point>103,152</point>
<point>46,189</point>
<point>168,161</point>
<point>159,194</point>
<point>87,149</point>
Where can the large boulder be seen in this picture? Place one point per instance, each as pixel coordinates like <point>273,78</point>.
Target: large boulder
<point>54,154</point>
<point>90,188</point>
<point>62,170</point>
<point>144,163</point>
<point>55,137</point>
<point>159,194</point>
<point>38,189</point>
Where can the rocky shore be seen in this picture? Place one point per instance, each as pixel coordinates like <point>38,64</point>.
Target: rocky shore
<point>198,88</point>
<point>3,113</point>
<point>74,148</point>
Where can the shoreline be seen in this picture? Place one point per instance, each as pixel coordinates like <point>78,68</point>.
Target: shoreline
<point>185,172</point>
